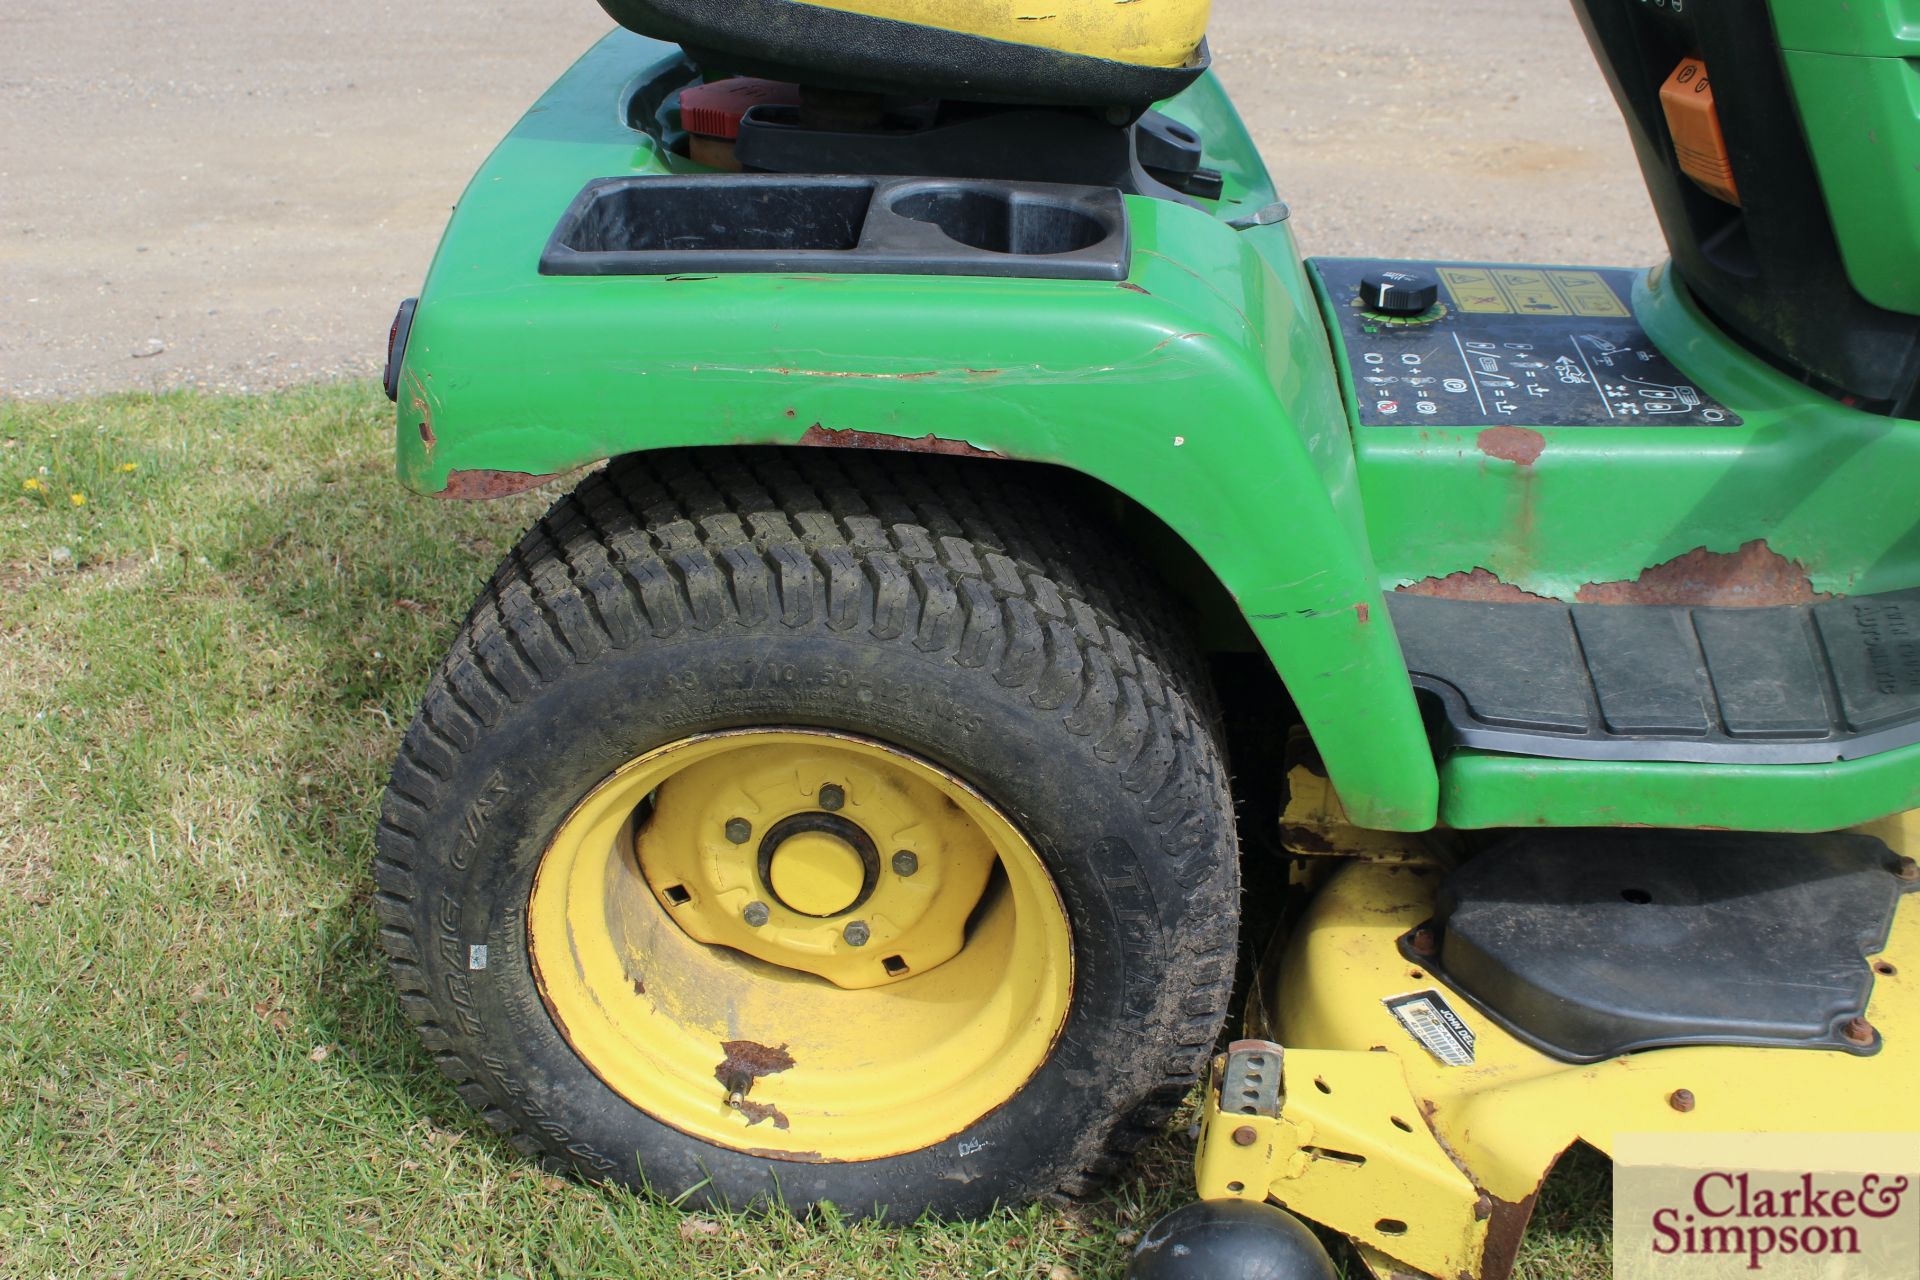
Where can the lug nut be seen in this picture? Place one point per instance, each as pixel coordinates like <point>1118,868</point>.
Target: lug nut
<point>1244,1136</point>
<point>831,797</point>
<point>1858,1031</point>
<point>1423,942</point>
<point>739,830</point>
<point>906,862</point>
<point>1907,869</point>
<point>857,933</point>
<point>755,914</point>
<point>1681,1100</point>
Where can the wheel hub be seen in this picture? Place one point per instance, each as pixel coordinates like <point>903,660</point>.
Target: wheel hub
<point>792,853</point>
<point>819,865</point>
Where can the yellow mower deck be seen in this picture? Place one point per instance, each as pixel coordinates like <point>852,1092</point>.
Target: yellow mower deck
<point>1432,1169</point>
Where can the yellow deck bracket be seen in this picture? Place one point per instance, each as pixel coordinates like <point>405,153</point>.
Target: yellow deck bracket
<point>1349,1145</point>
<point>1241,1134</point>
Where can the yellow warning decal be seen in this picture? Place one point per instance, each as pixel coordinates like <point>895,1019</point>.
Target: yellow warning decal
<point>1523,290</point>
<point>1473,289</point>
<point>1506,291</point>
<point>1588,294</point>
<point>1531,292</point>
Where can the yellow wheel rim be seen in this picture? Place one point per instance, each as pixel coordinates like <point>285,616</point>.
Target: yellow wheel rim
<point>800,944</point>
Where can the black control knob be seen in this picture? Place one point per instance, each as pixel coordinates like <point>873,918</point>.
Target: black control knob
<point>1398,293</point>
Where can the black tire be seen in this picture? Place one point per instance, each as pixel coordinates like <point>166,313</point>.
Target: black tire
<point>1024,660</point>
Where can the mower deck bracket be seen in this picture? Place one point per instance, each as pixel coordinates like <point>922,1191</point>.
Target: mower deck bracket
<point>1348,1133</point>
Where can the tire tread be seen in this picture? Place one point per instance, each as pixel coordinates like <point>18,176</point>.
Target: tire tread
<point>944,558</point>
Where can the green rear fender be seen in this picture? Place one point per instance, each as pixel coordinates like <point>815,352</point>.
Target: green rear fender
<point>1201,388</point>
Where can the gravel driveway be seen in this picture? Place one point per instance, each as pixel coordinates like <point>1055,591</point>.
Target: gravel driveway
<point>199,193</point>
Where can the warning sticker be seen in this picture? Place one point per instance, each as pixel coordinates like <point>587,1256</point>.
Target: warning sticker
<point>1429,1019</point>
<point>1473,289</point>
<point>1588,294</point>
<point>1532,292</point>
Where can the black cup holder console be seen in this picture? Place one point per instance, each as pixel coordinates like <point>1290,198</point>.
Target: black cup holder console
<point>1002,222</point>
<point>900,226</point>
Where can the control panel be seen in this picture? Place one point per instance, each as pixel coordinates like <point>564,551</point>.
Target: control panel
<point>1497,343</point>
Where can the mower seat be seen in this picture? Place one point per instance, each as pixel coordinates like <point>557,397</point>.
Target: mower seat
<point>1061,53</point>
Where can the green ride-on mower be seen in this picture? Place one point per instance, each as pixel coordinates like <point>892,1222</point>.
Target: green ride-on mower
<point>843,793</point>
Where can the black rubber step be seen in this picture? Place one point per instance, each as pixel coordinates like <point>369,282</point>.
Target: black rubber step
<point>1793,684</point>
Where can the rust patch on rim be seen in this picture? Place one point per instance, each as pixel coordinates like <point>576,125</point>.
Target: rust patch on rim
<point>745,1062</point>
<point>850,439</point>
<point>1756,576</point>
<point>480,485</point>
<point>1472,584</point>
<point>755,1112</point>
<point>1521,445</point>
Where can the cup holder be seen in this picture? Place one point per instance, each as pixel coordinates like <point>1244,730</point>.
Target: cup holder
<point>656,224</point>
<point>750,214</point>
<point>997,222</point>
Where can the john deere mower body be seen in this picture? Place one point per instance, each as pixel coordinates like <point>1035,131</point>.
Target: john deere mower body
<point>1516,546</point>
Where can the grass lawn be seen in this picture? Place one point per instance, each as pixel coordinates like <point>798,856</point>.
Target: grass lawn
<point>215,617</point>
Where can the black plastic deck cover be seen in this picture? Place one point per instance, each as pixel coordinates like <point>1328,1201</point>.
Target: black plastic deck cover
<point>1590,944</point>
<point>1792,684</point>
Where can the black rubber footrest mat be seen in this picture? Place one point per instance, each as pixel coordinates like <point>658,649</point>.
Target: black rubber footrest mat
<point>1590,944</point>
<point>1792,684</point>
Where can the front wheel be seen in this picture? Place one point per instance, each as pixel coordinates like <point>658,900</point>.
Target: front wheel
<point>789,828</point>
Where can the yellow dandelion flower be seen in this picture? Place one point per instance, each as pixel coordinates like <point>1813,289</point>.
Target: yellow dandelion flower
<point>127,468</point>
<point>77,499</point>
<point>33,484</point>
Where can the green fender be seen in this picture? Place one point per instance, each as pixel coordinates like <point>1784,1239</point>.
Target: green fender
<point>1201,387</point>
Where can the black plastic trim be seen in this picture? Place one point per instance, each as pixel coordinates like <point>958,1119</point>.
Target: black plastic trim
<point>1791,684</point>
<point>1069,146</point>
<point>397,347</point>
<point>730,223</point>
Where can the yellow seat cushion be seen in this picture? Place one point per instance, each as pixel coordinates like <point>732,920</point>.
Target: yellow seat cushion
<point>1148,33</point>
<point>1104,53</point>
